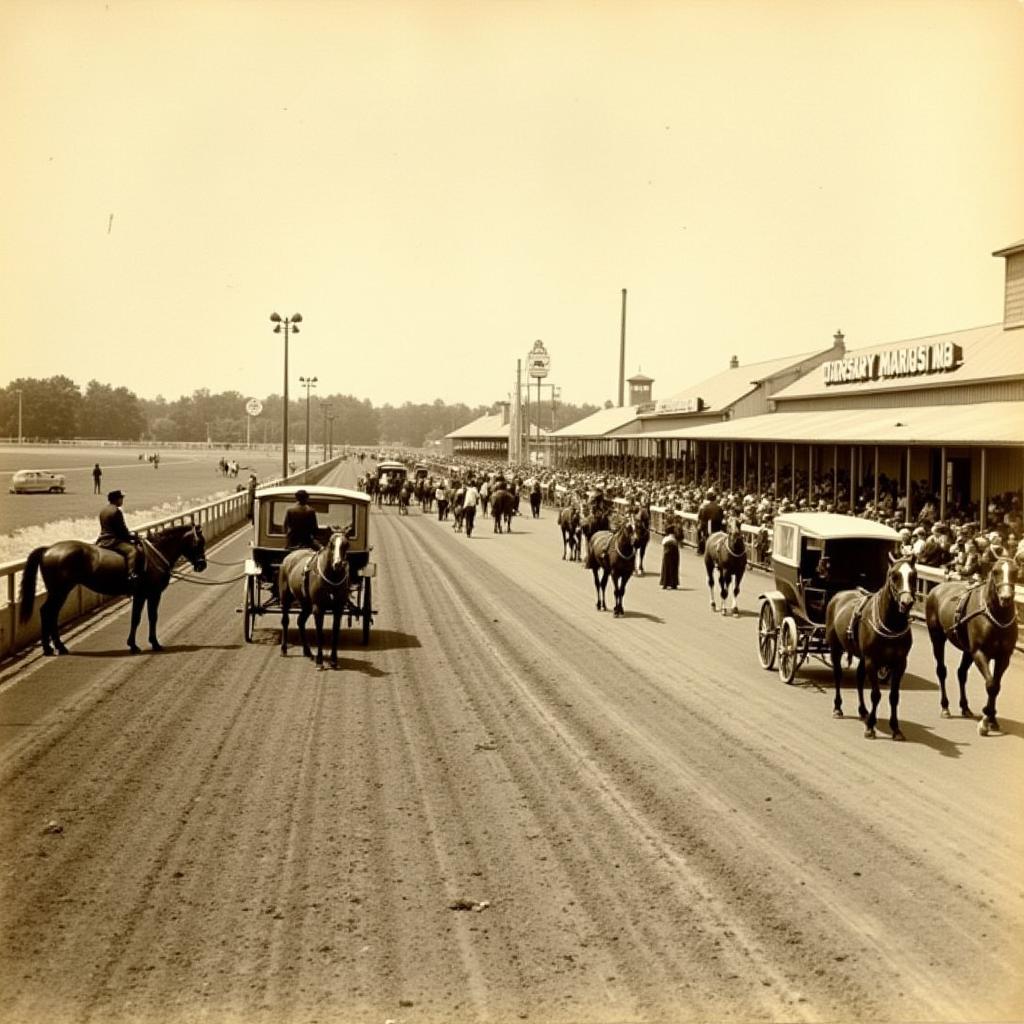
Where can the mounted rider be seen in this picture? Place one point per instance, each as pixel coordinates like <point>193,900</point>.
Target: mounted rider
<point>710,519</point>
<point>115,535</point>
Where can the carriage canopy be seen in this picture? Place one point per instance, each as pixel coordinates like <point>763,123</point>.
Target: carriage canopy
<point>336,508</point>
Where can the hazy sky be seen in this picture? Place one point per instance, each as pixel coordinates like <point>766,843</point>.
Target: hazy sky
<point>435,185</point>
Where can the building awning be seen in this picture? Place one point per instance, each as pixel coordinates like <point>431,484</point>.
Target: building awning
<point>990,423</point>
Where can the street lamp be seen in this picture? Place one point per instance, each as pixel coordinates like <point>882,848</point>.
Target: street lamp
<point>289,324</point>
<point>326,408</point>
<point>330,435</point>
<point>18,390</point>
<point>308,383</point>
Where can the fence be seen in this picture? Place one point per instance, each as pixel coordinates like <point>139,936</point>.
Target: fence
<point>216,518</point>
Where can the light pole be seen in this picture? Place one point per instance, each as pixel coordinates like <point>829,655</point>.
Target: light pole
<point>289,324</point>
<point>330,434</point>
<point>308,383</point>
<point>19,414</point>
<point>325,408</point>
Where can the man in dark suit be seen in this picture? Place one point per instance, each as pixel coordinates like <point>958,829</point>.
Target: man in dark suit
<point>300,525</point>
<point>710,519</point>
<point>115,535</point>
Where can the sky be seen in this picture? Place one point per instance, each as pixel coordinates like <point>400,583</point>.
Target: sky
<point>435,185</point>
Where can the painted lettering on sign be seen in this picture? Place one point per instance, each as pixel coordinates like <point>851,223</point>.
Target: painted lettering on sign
<point>905,361</point>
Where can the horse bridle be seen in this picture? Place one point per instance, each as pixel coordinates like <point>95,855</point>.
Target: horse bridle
<point>344,579</point>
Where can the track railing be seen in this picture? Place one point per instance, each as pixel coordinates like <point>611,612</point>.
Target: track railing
<point>216,518</point>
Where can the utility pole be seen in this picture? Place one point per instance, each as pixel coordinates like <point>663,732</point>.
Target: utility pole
<point>622,354</point>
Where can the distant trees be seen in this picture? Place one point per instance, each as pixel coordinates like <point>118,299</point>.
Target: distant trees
<point>56,408</point>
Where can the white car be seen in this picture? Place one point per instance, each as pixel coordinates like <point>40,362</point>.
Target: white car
<point>37,481</point>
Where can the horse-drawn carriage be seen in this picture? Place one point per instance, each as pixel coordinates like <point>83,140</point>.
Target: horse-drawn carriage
<point>391,478</point>
<point>337,510</point>
<point>421,471</point>
<point>816,555</point>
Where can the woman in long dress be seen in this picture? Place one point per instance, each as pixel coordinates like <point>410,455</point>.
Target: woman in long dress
<point>670,559</point>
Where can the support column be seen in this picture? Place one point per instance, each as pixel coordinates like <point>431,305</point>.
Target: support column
<point>835,474</point>
<point>942,484</point>
<point>732,465</point>
<point>775,480</point>
<point>909,514</point>
<point>983,498</point>
<point>876,479</point>
<point>792,475</point>
<point>760,461</point>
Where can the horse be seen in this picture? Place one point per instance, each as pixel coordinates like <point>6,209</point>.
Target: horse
<point>72,563</point>
<point>594,522</point>
<point>403,499</point>
<point>502,509</point>
<point>613,555</point>
<point>726,550</point>
<point>319,581</point>
<point>875,627</point>
<point>981,621</point>
<point>642,535</point>
<point>569,525</point>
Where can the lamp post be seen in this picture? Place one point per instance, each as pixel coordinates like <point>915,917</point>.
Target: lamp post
<point>19,414</point>
<point>289,324</point>
<point>308,383</point>
<point>325,408</point>
<point>330,434</point>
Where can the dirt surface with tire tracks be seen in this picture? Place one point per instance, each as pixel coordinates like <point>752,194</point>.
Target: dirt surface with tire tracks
<point>507,807</point>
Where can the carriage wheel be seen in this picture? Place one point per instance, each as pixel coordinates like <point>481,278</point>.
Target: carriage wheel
<point>251,605</point>
<point>367,610</point>
<point>788,649</point>
<point>767,636</point>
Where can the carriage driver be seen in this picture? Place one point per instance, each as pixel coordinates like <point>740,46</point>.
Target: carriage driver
<point>115,535</point>
<point>300,525</point>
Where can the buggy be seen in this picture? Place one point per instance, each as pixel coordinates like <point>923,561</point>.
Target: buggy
<point>336,509</point>
<point>814,556</point>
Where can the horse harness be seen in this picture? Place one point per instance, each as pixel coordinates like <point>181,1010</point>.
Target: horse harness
<point>311,567</point>
<point>957,631</point>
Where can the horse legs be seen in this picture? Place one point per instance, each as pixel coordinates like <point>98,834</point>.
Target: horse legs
<point>736,595</point>
<point>620,592</point>
<point>302,620</point>
<point>711,583</point>
<point>599,587</point>
<point>318,623</point>
<point>961,675</point>
<point>894,701</point>
<point>335,627</point>
<point>938,639</point>
<point>138,600</point>
<point>49,620</point>
<point>862,711</point>
<point>152,607</point>
<point>993,684</point>
<point>724,579</point>
<point>286,600</point>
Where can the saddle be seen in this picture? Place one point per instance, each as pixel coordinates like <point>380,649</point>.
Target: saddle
<point>957,632</point>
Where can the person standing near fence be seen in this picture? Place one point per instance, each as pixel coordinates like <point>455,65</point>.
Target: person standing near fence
<point>97,476</point>
<point>670,559</point>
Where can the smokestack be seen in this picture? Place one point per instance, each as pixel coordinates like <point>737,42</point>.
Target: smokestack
<point>622,354</point>
<point>839,342</point>
<point>734,363</point>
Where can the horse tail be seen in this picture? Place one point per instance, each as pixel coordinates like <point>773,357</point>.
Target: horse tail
<point>27,594</point>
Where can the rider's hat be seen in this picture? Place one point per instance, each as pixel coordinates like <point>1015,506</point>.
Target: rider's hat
<point>113,496</point>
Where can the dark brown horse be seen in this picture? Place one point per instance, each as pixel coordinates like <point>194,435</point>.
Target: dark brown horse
<point>73,563</point>
<point>593,522</point>
<point>612,554</point>
<point>642,537</point>
<point>874,627</point>
<point>726,551</point>
<point>503,504</point>
<point>569,525</point>
<point>981,621</point>
<point>319,581</point>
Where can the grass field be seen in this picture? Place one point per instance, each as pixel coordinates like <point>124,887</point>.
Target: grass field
<point>185,478</point>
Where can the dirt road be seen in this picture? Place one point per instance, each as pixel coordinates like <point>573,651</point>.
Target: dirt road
<point>507,807</point>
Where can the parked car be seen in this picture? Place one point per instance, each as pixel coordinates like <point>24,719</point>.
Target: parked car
<point>37,481</point>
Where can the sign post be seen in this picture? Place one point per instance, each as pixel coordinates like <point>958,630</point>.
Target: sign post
<point>252,408</point>
<point>538,363</point>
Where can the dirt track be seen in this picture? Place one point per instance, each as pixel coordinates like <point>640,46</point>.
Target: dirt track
<point>639,822</point>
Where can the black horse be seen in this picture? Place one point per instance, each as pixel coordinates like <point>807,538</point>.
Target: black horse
<point>72,563</point>
<point>319,581</point>
<point>503,505</point>
<point>726,550</point>
<point>642,537</point>
<point>569,525</point>
<point>612,554</point>
<point>874,627</point>
<point>981,621</point>
<point>592,523</point>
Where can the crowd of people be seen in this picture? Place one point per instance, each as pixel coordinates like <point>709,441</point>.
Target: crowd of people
<point>956,543</point>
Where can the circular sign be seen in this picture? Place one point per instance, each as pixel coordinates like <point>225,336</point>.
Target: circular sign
<point>254,407</point>
<point>538,362</point>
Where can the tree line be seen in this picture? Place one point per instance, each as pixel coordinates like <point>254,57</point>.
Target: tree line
<point>56,408</point>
